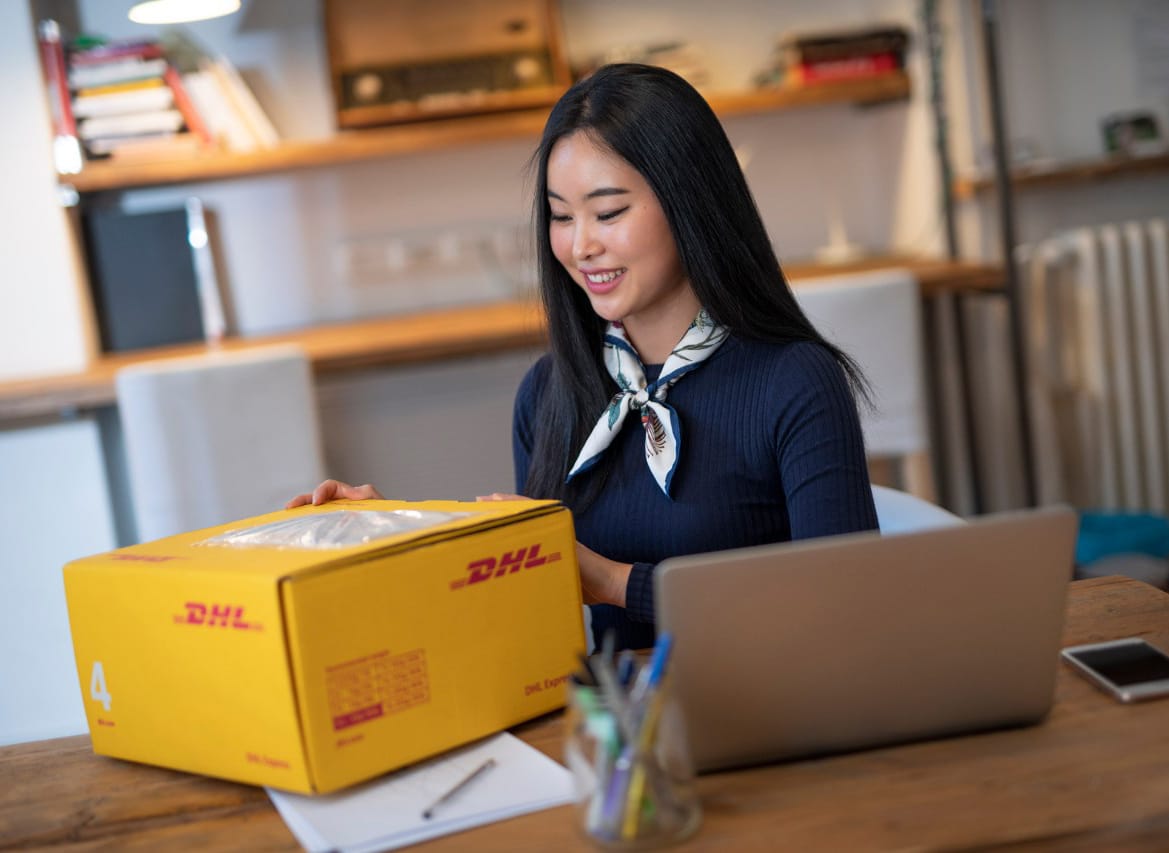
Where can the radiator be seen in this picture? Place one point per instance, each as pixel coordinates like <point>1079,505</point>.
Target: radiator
<point>1096,314</point>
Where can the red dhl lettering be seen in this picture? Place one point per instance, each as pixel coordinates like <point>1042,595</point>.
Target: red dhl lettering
<point>508,563</point>
<point>216,616</point>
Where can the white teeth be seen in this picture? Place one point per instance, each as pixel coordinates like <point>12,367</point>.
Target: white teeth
<point>601,278</point>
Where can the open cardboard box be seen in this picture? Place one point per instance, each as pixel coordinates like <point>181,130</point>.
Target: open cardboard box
<point>310,667</point>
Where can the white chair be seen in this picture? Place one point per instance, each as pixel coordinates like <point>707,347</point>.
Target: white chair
<point>901,512</point>
<point>63,513</point>
<point>875,317</point>
<point>219,437</point>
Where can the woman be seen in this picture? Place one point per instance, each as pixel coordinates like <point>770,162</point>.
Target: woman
<point>666,305</point>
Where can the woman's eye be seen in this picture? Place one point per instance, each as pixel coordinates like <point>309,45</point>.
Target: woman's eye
<point>560,217</point>
<point>612,214</point>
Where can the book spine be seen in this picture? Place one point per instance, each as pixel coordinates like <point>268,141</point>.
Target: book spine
<point>825,49</point>
<point>191,117</point>
<point>223,120</point>
<point>117,71</point>
<point>116,88</point>
<point>117,103</point>
<point>67,154</point>
<point>131,124</point>
<point>111,52</point>
<point>245,102</point>
<point>206,282</point>
<point>853,68</point>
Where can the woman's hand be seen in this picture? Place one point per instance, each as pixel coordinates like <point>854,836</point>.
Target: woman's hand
<point>602,581</point>
<point>333,490</point>
<point>501,496</point>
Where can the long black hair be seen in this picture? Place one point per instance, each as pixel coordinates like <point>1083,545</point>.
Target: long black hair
<point>661,126</point>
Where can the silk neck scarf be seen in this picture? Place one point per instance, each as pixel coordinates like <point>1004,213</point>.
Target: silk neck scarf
<point>662,432</point>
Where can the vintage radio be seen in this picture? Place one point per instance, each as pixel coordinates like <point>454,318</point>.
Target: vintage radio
<point>404,60</point>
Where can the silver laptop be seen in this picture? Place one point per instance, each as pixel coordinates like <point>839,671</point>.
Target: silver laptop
<point>847,642</point>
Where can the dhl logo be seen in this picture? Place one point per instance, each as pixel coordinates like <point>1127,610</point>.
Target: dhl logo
<point>216,616</point>
<point>486,568</point>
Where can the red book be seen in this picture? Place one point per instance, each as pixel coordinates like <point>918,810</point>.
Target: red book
<point>850,68</point>
<point>186,106</point>
<point>53,62</point>
<point>116,50</point>
<point>66,148</point>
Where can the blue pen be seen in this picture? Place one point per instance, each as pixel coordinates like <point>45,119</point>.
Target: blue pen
<point>648,707</point>
<point>651,676</point>
<point>626,663</point>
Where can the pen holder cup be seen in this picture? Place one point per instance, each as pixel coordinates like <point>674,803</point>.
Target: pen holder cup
<point>631,793</point>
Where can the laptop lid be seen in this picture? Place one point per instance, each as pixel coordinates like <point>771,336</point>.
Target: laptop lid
<point>847,642</point>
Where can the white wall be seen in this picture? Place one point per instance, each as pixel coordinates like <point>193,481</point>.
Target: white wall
<point>44,325</point>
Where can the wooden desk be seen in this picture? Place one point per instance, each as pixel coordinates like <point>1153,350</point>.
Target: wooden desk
<point>1094,776</point>
<point>414,338</point>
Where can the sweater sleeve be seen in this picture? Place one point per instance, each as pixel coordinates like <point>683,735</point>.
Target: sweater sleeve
<point>820,448</point>
<point>523,421</point>
<point>639,593</point>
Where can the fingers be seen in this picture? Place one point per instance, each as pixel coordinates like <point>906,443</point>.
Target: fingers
<point>501,496</point>
<point>364,492</point>
<point>332,490</point>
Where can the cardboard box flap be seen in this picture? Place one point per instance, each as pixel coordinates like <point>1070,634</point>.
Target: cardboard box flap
<point>312,538</point>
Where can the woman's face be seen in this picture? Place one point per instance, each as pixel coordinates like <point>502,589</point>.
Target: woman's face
<point>609,232</point>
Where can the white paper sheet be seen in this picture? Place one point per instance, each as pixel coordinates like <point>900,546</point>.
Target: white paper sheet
<point>386,814</point>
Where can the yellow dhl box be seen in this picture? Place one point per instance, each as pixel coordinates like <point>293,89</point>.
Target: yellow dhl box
<point>314,648</point>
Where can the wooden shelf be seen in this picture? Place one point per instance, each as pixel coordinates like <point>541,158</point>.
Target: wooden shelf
<point>1064,174</point>
<point>424,337</point>
<point>363,145</point>
<point>394,340</point>
<point>886,87</point>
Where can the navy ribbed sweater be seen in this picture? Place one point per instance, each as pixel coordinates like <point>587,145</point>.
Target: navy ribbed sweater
<point>771,450</point>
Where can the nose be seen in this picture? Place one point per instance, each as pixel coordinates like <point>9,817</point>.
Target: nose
<point>584,242</point>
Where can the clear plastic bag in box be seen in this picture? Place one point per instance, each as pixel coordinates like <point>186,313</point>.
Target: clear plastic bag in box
<point>340,529</point>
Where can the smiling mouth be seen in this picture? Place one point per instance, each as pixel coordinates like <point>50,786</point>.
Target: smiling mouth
<point>603,282</point>
<point>603,277</point>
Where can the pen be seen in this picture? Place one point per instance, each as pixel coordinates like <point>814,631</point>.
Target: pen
<point>467,780</point>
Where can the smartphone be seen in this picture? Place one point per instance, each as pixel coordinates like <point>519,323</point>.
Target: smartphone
<point>1131,669</point>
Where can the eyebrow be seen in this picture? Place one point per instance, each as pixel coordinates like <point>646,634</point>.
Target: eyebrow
<point>597,193</point>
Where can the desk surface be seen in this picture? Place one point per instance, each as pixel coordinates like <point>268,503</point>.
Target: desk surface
<point>1093,776</point>
<point>413,338</point>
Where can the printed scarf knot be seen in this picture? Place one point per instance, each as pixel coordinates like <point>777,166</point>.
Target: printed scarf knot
<point>662,432</point>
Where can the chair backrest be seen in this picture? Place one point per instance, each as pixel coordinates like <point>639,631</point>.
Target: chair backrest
<point>901,512</point>
<point>875,317</point>
<point>219,437</point>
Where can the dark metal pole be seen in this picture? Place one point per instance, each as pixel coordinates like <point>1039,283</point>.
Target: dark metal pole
<point>933,38</point>
<point>934,52</point>
<point>1007,235</point>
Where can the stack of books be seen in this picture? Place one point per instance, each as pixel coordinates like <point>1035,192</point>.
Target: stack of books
<point>128,101</point>
<point>812,58</point>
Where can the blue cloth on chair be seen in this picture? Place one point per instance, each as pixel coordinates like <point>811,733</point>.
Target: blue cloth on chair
<point>1103,534</point>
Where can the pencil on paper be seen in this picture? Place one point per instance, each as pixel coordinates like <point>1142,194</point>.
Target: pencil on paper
<point>467,780</point>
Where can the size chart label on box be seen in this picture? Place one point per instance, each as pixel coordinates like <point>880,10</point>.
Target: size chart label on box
<point>376,685</point>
